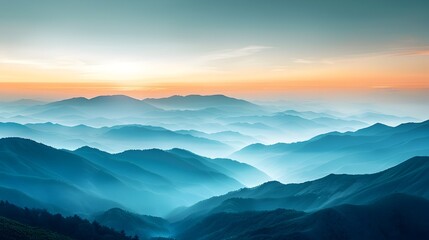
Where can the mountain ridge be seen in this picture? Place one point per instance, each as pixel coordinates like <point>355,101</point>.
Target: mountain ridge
<point>409,177</point>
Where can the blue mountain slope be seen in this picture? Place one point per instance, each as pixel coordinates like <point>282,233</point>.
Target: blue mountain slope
<point>245,173</point>
<point>134,224</point>
<point>115,138</point>
<point>157,180</point>
<point>395,216</point>
<point>365,151</point>
<point>231,138</point>
<point>124,169</point>
<point>134,136</point>
<point>409,177</point>
<point>160,169</point>
<point>67,198</point>
<point>23,200</point>
<point>191,173</point>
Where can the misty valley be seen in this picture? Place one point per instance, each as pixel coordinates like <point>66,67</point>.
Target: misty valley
<point>209,167</point>
<point>214,120</point>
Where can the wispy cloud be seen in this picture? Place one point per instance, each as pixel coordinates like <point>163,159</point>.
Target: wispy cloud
<point>307,61</point>
<point>29,62</point>
<point>421,52</point>
<point>57,63</point>
<point>234,53</point>
<point>406,51</point>
<point>100,69</point>
<point>134,68</point>
<point>303,61</point>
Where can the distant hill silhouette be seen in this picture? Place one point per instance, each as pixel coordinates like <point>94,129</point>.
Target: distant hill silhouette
<point>245,173</point>
<point>81,109</point>
<point>200,102</point>
<point>115,138</point>
<point>374,117</point>
<point>287,127</point>
<point>364,151</point>
<point>113,102</point>
<point>230,138</point>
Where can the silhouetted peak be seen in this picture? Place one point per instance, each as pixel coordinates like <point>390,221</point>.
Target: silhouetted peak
<point>379,125</point>
<point>255,146</point>
<point>270,184</point>
<point>376,128</point>
<point>16,144</point>
<point>11,124</point>
<point>155,151</point>
<point>199,100</point>
<point>115,211</point>
<point>13,140</point>
<point>332,177</point>
<point>76,100</point>
<point>114,98</point>
<point>181,151</point>
<point>89,149</point>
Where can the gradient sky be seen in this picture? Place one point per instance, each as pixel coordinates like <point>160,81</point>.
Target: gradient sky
<point>58,49</point>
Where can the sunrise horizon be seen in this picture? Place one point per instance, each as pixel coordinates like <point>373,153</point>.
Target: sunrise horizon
<point>214,119</point>
<point>168,53</point>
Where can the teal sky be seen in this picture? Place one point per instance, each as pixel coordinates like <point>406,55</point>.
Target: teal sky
<point>190,45</point>
<point>298,28</point>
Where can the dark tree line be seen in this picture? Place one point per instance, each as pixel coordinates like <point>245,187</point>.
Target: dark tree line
<point>74,227</point>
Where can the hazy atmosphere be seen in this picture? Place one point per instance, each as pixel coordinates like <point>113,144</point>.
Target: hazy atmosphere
<point>195,119</point>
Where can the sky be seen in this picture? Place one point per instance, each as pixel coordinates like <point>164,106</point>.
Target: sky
<point>52,49</point>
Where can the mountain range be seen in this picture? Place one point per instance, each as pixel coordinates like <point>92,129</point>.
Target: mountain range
<point>364,151</point>
<point>113,139</point>
<point>204,114</point>
<point>327,208</point>
<point>396,216</point>
<point>88,180</point>
<point>392,204</point>
<point>410,177</point>
<point>163,169</point>
<point>194,102</point>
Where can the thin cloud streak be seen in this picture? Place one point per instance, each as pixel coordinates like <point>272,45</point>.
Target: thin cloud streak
<point>306,61</point>
<point>423,52</point>
<point>125,69</point>
<point>234,53</point>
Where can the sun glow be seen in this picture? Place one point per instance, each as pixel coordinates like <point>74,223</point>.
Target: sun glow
<point>114,71</point>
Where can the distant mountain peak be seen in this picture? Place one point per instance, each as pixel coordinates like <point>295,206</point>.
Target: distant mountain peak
<point>378,126</point>
<point>88,149</point>
<point>270,184</point>
<point>17,140</point>
<point>75,100</point>
<point>154,151</point>
<point>104,104</point>
<point>113,97</point>
<point>195,101</point>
